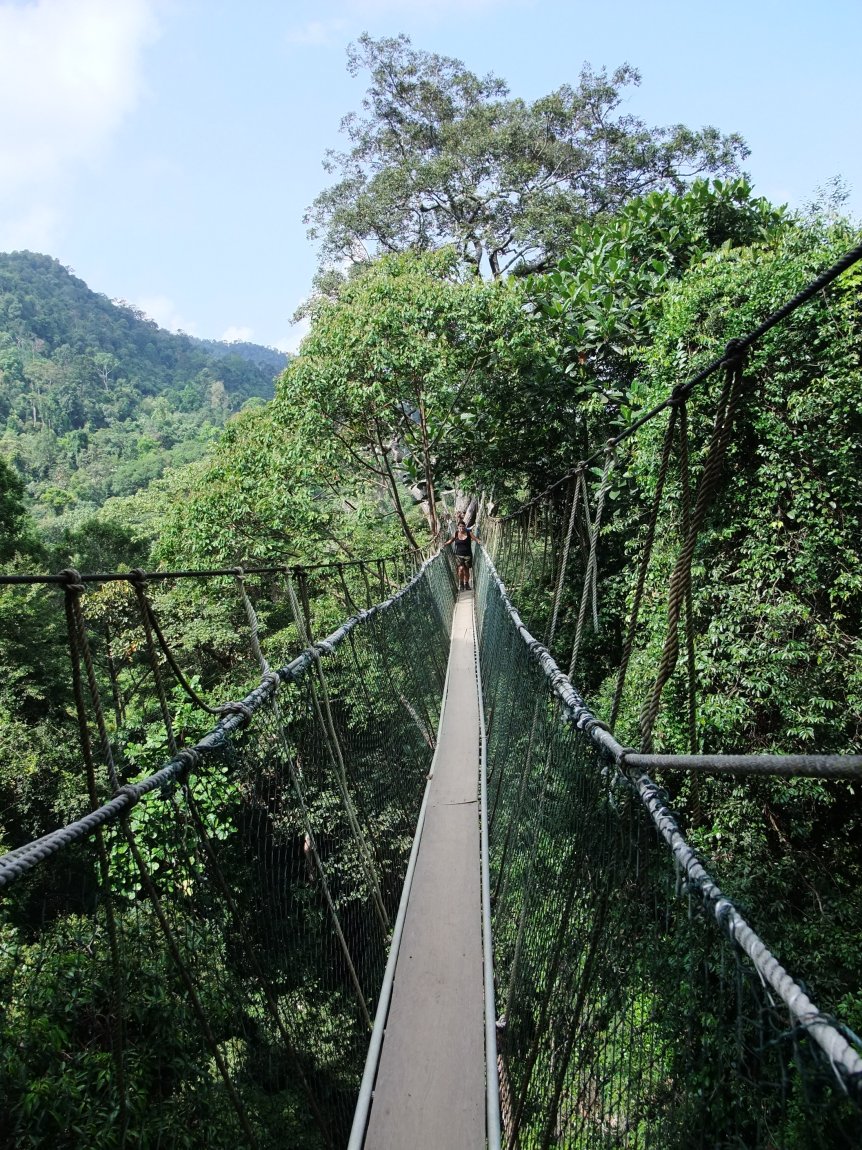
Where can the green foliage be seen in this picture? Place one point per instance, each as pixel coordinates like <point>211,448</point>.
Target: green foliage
<point>443,156</point>
<point>97,401</point>
<point>268,494</point>
<point>778,578</point>
<point>16,530</point>
<point>422,376</point>
<point>606,291</point>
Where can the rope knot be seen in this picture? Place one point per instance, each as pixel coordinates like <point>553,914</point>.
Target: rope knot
<point>189,758</point>
<point>678,396</point>
<point>734,352</point>
<point>723,909</point>
<point>242,709</point>
<point>72,580</point>
<point>238,572</point>
<point>137,576</point>
<point>622,755</point>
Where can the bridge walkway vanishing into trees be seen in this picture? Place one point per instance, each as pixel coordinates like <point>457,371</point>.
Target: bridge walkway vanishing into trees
<point>198,955</point>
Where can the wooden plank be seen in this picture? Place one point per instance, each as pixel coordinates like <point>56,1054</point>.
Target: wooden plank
<point>430,1088</point>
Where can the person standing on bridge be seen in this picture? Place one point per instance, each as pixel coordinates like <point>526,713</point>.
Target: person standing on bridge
<point>463,540</point>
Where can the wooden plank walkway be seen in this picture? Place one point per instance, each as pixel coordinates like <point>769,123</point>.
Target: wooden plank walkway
<point>430,1088</point>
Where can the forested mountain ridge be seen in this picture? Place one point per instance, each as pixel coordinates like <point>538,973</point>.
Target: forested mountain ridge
<point>95,399</point>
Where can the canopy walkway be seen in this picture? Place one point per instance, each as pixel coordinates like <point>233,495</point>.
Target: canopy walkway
<point>429,1088</point>
<point>410,891</point>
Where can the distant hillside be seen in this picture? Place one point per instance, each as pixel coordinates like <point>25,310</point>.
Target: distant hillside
<point>266,358</point>
<point>95,399</point>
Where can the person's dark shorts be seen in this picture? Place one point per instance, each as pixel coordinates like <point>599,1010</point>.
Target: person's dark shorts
<point>464,561</point>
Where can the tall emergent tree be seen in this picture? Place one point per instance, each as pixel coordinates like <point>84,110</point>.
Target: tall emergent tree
<point>443,156</point>
<point>412,359</point>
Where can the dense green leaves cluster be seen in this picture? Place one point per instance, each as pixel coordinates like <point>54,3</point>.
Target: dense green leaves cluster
<point>606,292</point>
<point>443,156</point>
<point>95,400</point>
<point>778,579</point>
<point>420,374</point>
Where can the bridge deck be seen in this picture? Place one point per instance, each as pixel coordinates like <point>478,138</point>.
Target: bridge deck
<point>430,1088</point>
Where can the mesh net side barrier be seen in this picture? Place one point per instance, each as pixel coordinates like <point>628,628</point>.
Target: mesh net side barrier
<point>629,1011</point>
<point>636,1005</point>
<point>195,960</point>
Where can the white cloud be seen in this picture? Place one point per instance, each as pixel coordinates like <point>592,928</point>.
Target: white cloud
<point>70,73</point>
<point>164,311</point>
<point>236,334</point>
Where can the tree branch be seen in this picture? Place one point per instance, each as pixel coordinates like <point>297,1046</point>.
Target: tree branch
<point>395,494</point>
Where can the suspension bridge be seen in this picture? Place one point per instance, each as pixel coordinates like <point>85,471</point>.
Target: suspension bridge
<point>411,890</point>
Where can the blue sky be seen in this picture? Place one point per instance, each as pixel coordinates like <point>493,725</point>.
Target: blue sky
<point>167,149</point>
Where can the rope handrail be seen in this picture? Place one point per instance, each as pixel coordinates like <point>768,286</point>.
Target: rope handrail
<point>22,859</point>
<point>845,1060</point>
<point>733,351</point>
<point>134,575</point>
<point>577,712</point>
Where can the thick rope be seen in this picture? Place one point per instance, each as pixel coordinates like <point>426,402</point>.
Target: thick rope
<point>561,578</point>
<point>681,577</point>
<point>416,554</point>
<point>646,556</point>
<point>591,576</point>
<point>844,1060</point>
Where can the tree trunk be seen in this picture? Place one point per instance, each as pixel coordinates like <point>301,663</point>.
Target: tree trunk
<point>428,469</point>
<point>396,496</point>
